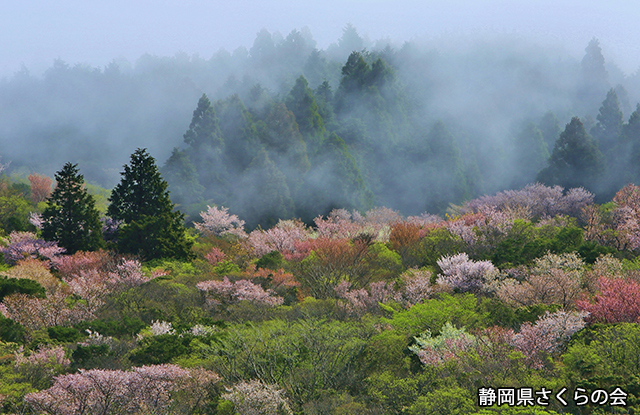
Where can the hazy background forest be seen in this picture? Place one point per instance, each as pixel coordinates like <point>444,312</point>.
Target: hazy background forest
<point>286,129</point>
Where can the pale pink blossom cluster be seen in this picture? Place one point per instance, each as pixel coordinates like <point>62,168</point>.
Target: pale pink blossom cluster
<point>215,256</point>
<point>363,301</point>
<point>448,345</point>
<point>617,301</point>
<point>70,265</point>
<point>44,356</point>
<point>627,216</point>
<point>226,292</point>
<point>36,220</point>
<point>536,342</point>
<point>417,286</point>
<point>94,285</point>
<point>158,328</point>
<point>465,227</point>
<point>340,223</point>
<point>217,221</point>
<point>96,339</point>
<point>147,389</point>
<point>39,366</point>
<point>128,274</point>
<point>424,219</point>
<point>21,245</point>
<point>554,279</point>
<point>460,272</point>
<point>548,335</point>
<point>37,313</point>
<point>256,398</point>
<point>281,238</point>
<point>539,199</point>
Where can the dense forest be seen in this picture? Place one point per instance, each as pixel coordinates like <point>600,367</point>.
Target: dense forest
<point>426,229</point>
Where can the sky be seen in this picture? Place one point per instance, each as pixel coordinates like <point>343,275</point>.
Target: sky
<point>34,33</point>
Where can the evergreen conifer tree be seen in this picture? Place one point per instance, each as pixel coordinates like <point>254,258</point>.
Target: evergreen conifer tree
<point>303,105</point>
<point>609,126</point>
<point>205,150</point>
<point>71,218</point>
<point>151,227</point>
<point>575,161</point>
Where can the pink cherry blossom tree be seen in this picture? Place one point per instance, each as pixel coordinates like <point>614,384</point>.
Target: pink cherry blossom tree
<point>217,221</point>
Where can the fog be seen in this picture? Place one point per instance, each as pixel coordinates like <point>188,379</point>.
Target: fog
<point>440,104</point>
<point>34,33</point>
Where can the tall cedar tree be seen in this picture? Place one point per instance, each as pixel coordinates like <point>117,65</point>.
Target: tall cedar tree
<point>71,218</point>
<point>152,229</point>
<point>575,161</point>
<point>609,127</point>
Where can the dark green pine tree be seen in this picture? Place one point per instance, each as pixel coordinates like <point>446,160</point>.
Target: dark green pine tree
<point>204,130</point>
<point>205,150</point>
<point>609,126</point>
<point>151,229</point>
<point>355,74</point>
<point>631,132</point>
<point>575,161</point>
<point>280,136</point>
<point>239,131</point>
<point>302,103</point>
<point>594,83</point>
<point>324,99</point>
<point>71,218</point>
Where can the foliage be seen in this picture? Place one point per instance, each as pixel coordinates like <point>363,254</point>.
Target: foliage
<point>306,356</point>
<point>605,356</point>
<point>453,400</point>
<point>29,286</point>
<point>34,270</point>
<point>461,310</point>
<point>161,348</point>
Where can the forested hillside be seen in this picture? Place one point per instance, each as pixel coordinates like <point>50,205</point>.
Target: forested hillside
<point>413,127</point>
<point>367,229</point>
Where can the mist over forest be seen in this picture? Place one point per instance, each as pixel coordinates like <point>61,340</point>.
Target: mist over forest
<point>283,129</point>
